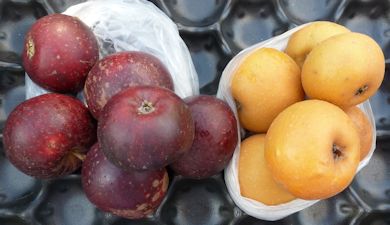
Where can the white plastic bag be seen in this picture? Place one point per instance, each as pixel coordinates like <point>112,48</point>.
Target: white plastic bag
<point>252,207</point>
<point>127,25</point>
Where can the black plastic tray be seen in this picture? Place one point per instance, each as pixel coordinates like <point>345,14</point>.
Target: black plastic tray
<point>214,31</point>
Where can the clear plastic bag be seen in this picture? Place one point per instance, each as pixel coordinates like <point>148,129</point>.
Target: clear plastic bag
<point>252,207</point>
<point>127,25</point>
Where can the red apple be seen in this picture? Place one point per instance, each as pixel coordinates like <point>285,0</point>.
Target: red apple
<point>47,136</point>
<point>119,71</point>
<point>215,138</point>
<point>145,128</point>
<point>130,194</point>
<point>59,51</point>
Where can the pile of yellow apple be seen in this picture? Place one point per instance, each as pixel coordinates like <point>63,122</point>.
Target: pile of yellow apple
<point>307,134</point>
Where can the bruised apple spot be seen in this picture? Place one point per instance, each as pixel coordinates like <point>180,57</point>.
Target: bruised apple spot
<point>155,183</point>
<point>128,213</point>
<point>165,182</point>
<point>156,197</point>
<point>142,206</point>
<point>30,48</point>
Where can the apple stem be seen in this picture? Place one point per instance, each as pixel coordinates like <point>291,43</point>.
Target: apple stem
<point>146,107</point>
<point>79,155</point>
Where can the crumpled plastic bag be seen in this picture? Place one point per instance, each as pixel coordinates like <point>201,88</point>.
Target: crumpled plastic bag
<point>252,207</point>
<point>135,25</point>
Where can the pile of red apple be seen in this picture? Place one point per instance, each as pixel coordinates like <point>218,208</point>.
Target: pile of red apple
<point>132,128</point>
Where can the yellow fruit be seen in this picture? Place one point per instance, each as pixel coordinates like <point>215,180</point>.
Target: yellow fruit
<point>266,82</point>
<point>255,179</point>
<point>313,149</point>
<point>303,41</point>
<point>345,69</point>
<point>364,129</point>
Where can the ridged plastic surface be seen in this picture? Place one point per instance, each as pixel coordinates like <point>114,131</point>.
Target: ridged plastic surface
<point>214,31</point>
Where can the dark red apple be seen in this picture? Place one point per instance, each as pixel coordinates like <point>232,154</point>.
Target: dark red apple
<point>119,71</point>
<point>130,194</point>
<point>145,128</point>
<point>215,138</point>
<point>48,136</point>
<point>59,51</point>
